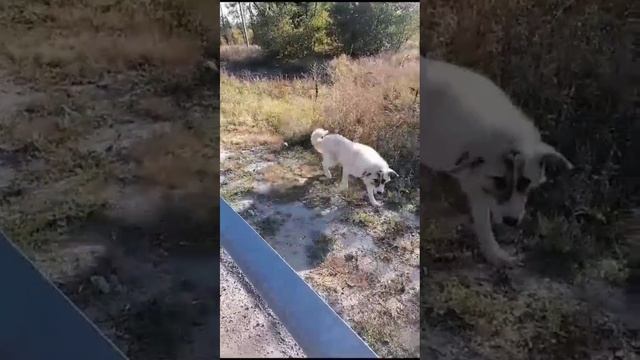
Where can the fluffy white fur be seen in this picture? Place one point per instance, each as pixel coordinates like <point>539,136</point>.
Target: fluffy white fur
<point>356,159</point>
<point>472,130</point>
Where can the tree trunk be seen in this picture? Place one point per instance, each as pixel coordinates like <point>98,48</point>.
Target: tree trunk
<point>244,25</point>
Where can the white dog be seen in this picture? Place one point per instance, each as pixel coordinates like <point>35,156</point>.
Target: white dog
<point>471,129</point>
<point>356,159</point>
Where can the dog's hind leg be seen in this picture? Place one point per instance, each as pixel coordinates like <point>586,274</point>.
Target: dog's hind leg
<point>480,211</point>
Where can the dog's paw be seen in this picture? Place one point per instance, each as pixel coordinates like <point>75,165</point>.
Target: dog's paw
<point>376,203</point>
<point>501,258</point>
<point>343,187</point>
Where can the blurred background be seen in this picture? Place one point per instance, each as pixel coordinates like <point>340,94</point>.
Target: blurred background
<point>569,65</point>
<point>108,147</point>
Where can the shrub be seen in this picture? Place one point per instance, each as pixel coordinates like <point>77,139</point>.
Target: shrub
<point>297,30</point>
<point>369,28</point>
<point>293,30</point>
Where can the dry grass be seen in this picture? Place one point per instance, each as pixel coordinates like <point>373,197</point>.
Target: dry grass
<point>284,107</point>
<point>79,40</point>
<point>54,44</point>
<point>375,101</point>
<point>42,203</point>
<point>543,321</point>
<point>89,55</point>
<point>371,100</point>
<point>179,160</point>
<point>241,54</point>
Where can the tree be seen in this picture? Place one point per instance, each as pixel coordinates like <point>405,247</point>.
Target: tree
<point>369,28</point>
<point>226,30</point>
<point>244,24</point>
<point>293,30</point>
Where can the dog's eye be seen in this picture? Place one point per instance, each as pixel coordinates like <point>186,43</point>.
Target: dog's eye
<point>500,182</point>
<point>523,184</point>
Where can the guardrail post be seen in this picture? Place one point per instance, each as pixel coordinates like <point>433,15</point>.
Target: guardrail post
<point>37,321</point>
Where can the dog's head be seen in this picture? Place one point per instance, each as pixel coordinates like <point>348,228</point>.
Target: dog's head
<point>505,178</point>
<point>318,134</point>
<point>378,178</point>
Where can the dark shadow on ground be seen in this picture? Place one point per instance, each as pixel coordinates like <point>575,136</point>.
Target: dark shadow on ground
<point>154,286</point>
<point>270,69</point>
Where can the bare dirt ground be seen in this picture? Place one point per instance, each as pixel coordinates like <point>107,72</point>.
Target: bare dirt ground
<point>132,254</point>
<point>95,130</point>
<point>363,261</point>
<point>248,328</point>
<point>472,310</point>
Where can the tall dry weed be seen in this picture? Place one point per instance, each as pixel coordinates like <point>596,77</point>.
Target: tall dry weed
<point>375,101</point>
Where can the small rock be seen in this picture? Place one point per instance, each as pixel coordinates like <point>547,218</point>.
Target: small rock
<point>101,283</point>
<point>349,257</point>
<point>393,305</point>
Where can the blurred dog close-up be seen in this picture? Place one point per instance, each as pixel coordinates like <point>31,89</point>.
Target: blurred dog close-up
<point>472,130</point>
<point>530,199</point>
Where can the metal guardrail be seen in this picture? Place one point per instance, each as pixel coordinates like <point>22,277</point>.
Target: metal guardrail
<point>314,325</point>
<point>37,321</point>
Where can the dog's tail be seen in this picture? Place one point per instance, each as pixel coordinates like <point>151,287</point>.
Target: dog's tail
<point>316,137</point>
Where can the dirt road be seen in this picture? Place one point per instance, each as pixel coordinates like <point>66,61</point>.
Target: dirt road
<point>248,328</point>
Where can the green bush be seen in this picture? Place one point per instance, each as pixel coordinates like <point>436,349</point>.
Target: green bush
<point>297,30</point>
<point>365,29</point>
<point>292,30</point>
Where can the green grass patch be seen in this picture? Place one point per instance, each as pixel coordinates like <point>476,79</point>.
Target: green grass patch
<point>284,107</point>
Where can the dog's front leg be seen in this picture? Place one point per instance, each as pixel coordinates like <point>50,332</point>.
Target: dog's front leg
<point>372,199</point>
<point>326,164</point>
<point>481,214</point>
<point>344,184</point>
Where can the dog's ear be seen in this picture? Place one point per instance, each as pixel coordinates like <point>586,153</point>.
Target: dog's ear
<point>466,161</point>
<point>551,161</point>
<point>391,171</point>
